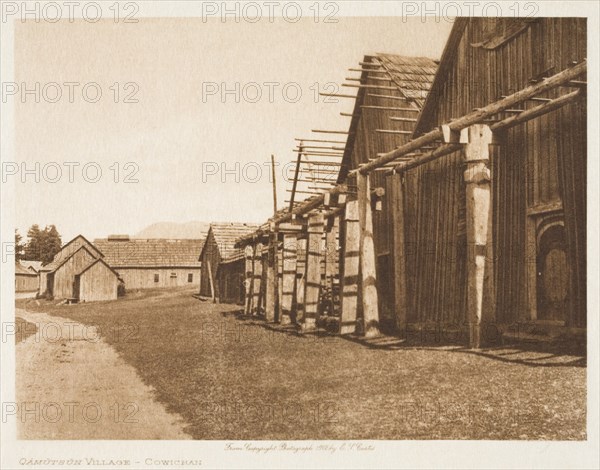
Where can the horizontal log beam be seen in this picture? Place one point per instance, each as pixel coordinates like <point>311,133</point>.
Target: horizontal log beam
<point>540,110</point>
<point>389,108</point>
<point>478,115</point>
<point>320,140</point>
<point>321,131</point>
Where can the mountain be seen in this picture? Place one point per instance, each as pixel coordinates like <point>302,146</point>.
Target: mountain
<point>188,230</point>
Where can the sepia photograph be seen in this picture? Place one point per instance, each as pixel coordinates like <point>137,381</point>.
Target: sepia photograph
<point>299,234</point>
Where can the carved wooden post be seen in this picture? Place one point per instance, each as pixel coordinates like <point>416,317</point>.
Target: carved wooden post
<point>351,269</point>
<point>312,287</point>
<point>300,279</point>
<point>368,271</point>
<point>478,209</point>
<point>290,246</point>
<point>257,278</point>
<point>248,254</point>
<point>271,287</point>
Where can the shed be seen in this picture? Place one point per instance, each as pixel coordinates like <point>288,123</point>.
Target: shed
<point>25,280</point>
<point>96,281</point>
<point>57,277</point>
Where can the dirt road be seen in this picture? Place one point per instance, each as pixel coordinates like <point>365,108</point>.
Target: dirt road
<point>71,385</point>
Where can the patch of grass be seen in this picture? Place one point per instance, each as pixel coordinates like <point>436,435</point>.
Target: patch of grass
<point>235,379</point>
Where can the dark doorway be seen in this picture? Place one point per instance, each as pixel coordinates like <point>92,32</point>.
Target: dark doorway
<point>553,275</point>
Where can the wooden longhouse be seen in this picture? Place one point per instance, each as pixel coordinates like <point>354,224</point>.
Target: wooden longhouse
<point>460,200</point>
<point>536,241</point>
<point>154,262</point>
<point>223,264</point>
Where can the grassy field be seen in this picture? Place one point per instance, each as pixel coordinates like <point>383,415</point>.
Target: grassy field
<point>231,378</point>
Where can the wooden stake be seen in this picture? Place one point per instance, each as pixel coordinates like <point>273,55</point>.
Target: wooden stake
<point>248,254</point>
<point>213,295</point>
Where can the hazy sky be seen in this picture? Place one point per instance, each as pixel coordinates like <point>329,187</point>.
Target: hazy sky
<point>173,132</point>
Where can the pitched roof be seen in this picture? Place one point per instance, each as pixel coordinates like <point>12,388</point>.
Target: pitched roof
<point>226,234</point>
<point>150,252</point>
<point>413,78</point>
<point>92,263</point>
<point>20,269</point>
<point>35,265</point>
<point>68,250</point>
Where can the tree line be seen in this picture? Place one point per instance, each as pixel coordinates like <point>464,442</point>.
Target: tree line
<point>41,245</point>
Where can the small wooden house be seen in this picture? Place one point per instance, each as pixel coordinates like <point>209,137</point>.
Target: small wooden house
<point>25,279</point>
<point>57,277</point>
<point>223,265</point>
<point>96,281</point>
<point>153,263</point>
<point>33,266</point>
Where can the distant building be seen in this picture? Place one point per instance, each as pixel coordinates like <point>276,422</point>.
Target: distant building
<point>33,266</point>
<point>149,263</point>
<point>223,265</point>
<point>25,280</point>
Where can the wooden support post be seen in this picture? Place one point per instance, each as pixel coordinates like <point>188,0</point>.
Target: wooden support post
<point>368,278</point>
<point>331,256</point>
<point>213,297</point>
<point>300,278</point>
<point>478,217</point>
<point>399,260</point>
<point>256,279</point>
<point>351,269</point>
<point>290,246</point>
<point>312,288</point>
<point>248,254</point>
<point>271,287</point>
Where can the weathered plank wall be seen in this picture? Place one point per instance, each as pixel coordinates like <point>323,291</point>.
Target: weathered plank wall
<point>97,283</point>
<point>26,282</point>
<point>144,278</point>
<point>537,163</point>
<point>231,281</point>
<point>65,275</point>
